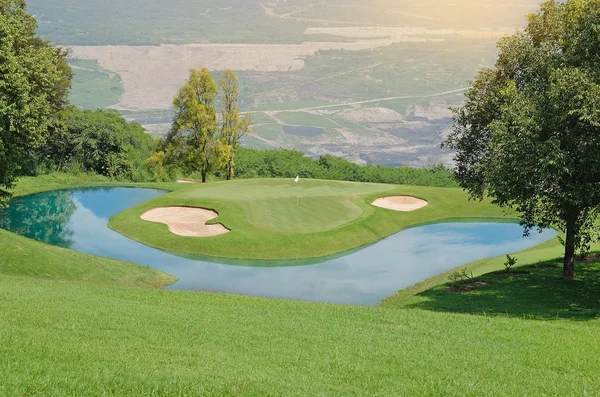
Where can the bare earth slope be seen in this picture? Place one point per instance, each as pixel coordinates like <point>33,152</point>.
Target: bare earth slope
<point>152,74</point>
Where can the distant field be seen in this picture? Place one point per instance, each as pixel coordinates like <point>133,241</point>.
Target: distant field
<point>371,103</point>
<point>377,78</point>
<point>94,87</point>
<point>152,74</point>
<point>138,22</point>
<point>306,119</point>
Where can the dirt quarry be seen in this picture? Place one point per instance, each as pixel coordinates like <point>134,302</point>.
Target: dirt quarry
<point>152,75</point>
<point>404,32</point>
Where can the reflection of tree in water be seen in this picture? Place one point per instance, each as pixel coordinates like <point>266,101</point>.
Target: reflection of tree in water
<point>43,217</point>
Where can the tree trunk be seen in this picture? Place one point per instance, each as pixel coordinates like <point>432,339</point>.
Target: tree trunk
<point>569,263</point>
<point>203,177</point>
<point>230,170</point>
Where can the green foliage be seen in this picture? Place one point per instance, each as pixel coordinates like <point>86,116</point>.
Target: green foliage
<point>233,127</point>
<point>94,87</point>
<point>155,166</point>
<point>193,140</point>
<point>34,82</point>
<point>528,135</point>
<point>460,276</point>
<point>98,141</point>
<point>253,163</point>
<point>510,262</point>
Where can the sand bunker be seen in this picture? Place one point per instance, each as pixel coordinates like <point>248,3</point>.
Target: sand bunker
<point>186,221</point>
<point>400,203</point>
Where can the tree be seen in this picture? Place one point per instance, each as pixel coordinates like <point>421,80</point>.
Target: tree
<point>528,135</point>
<point>195,124</point>
<point>34,83</point>
<point>99,141</point>
<point>233,127</point>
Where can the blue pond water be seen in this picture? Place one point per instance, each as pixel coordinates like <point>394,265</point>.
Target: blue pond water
<point>78,219</point>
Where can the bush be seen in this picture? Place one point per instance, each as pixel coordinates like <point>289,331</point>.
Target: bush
<point>510,262</point>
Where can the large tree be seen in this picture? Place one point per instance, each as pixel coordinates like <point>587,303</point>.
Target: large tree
<point>34,83</point>
<point>528,135</point>
<point>195,127</point>
<point>233,125</point>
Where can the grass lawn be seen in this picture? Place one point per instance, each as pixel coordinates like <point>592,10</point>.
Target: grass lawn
<point>74,324</point>
<point>65,338</point>
<point>278,219</point>
<point>94,87</point>
<point>531,291</point>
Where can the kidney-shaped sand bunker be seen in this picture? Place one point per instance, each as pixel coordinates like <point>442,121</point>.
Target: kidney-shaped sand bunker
<point>186,221</point>
<point>400,203</point>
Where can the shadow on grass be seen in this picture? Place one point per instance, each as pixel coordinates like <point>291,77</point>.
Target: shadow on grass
<point>537,293</point>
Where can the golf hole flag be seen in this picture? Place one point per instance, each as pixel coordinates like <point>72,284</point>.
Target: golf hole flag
<point>297,179</point>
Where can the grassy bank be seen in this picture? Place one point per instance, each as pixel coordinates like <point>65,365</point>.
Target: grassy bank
<point>277,219</point>
<point>531,291</point>
<point>64,338</point>
<point>20,256</point>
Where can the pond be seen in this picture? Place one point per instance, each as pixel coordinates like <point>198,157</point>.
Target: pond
<point>78,219</point>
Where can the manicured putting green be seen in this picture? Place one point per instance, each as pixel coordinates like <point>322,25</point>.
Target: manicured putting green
<point>285,206</point>
<point>281,219</point>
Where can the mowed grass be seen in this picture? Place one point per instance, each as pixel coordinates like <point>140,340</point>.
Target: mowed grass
<point>278,219</point>
<point>64,339</point>
<point>286,206</point>
<point>530,291</point>
<point>73,324</point>
<point>24,257</point>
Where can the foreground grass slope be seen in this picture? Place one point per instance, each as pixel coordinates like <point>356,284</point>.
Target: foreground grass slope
<point>278,219</point>
<point>82,339</point>
<point>531,291</point>
<point>20,256</point>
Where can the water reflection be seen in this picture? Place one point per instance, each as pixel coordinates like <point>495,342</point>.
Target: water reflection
<point>78,220</point>
<point>41,217</point>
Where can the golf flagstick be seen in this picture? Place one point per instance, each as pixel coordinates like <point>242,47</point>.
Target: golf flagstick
<point>296,180</point>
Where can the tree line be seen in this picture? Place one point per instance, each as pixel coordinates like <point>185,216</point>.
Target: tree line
<point>40,131</point>
<point>252,163</point>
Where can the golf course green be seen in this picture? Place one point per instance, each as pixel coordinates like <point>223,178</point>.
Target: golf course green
<point>281,219</point>
<point>76,324</point>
